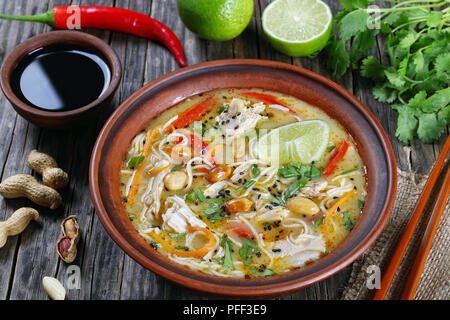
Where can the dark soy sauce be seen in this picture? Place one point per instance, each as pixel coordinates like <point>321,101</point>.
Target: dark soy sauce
<point>60,78</point>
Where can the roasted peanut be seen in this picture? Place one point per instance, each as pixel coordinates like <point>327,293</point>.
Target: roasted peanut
<point>45,165</point>
<point>239,205</point>
<point>66,246</point>
<point>302,205</point>
<point>221,172</point>
<point>54,288</point>
<point>16,223</point>
<point>175,181</point>
<point>24,185</point>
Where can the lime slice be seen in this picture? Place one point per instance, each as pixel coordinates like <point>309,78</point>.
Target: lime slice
<point>297,27</point>
<point>304,142</point>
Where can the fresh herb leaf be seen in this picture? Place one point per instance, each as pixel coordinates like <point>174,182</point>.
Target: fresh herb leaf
<point>249,248</point>
<point>267,273</point>
<point>221,109</point>
<point>184,248</point>
<point>417,45</point>
<point>348,222</point>
<point>316,173</point>
<point>135,162</point>
<point>227,260</point>
<point>360,203</point>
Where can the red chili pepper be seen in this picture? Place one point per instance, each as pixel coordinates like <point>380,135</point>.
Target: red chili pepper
<point>109,18</point>
<point>200,147</point>
<point>337,157</point>
<point>195,113</point>
<point>267,99</point>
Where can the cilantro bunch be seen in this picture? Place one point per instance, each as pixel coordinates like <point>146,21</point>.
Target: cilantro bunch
<point>415,82</point>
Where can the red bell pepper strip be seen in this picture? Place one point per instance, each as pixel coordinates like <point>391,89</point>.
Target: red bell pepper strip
<point>109,18</point>
<point>195,113</point>
<point>336,158</point>
<point>267,99</point>
<point>242,232</point>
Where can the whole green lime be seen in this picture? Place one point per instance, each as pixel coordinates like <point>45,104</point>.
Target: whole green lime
<point>217,20</point>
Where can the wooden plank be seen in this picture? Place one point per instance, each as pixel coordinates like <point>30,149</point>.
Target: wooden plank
<point>19,138</point>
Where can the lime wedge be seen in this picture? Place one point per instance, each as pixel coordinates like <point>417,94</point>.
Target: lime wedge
<point>304,142</point>
<point>297,27</point>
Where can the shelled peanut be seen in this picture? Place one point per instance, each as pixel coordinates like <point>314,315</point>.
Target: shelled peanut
<point>66,245</point>
<point>16,223</point>
<point>25,185</point>
<point>54,288</point>
<point>52,175</point>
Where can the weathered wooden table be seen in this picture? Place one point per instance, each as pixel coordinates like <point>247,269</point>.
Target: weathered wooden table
<point>105,271</point>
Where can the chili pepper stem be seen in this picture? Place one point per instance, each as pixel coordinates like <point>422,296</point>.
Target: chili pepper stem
<point>47,18</point>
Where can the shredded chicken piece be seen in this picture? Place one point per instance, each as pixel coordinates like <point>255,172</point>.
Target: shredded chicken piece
<point>179,215</point>
<point>240,117</point>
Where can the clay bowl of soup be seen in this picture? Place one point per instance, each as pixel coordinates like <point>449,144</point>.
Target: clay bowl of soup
<point>243,177</point>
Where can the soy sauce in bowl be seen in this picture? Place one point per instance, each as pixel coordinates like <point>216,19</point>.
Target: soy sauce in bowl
<point>60,78</point>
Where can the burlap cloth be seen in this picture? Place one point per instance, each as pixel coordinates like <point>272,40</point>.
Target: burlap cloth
<point>435,281</point>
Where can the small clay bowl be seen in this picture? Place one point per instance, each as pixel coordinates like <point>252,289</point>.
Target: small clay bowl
<point>61,119</point>
<point>156,97</point>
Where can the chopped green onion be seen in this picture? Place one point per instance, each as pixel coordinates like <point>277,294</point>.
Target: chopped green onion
<point>199,194</point>
<point>318,222</point>
<point>191,197</point>
<point>176,235</point>
<point>278,201</point>
<point>255,171</point>
<point>349,171</point>
<point>293,188</point>
<point>248,184</point>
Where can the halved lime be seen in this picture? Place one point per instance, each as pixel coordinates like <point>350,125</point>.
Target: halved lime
<point>297,27</point>
<point>304,142</point>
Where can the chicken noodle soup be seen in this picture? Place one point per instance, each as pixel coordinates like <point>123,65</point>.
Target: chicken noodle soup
<point>243,183</point>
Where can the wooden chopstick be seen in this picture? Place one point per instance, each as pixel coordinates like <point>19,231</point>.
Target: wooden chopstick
<point>397,257</point>
<point>414,274</point>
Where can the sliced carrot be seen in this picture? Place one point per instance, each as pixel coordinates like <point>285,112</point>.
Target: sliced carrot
<point>199,253</point>
<point>333,209</point>
<point>195,113</point>
<point>267,99</point>
<point>337,157</point>
<point>148,143</point>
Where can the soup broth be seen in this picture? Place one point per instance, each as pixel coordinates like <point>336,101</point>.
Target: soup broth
<point>195,184</point>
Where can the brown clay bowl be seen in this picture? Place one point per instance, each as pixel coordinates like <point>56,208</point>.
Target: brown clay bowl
<point>144,105</point>
<point>60,119</point>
